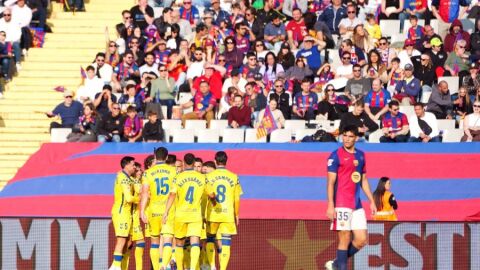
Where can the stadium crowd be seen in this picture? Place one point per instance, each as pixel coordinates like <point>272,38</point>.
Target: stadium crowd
<point>291,59</point>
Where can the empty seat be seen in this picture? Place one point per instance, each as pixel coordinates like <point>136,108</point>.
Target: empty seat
<point>220,125</point>
<point>375,136</point>
<point>59,135</point>
<point>208,136</point>
<point>171,124</point>
<point>334,58</point>
<point>446,124</point>
<point>407,110</point>
<point>281,136</point>
<point>426,97</point>
<point>453,83</point>
<point>301,133</point>
<point>251,136</point>
<point>294,124</point>
<point>196,125</point>
<point>390,27</point>
<point>453,135</point>
<point>182,136</point>
<point>233,135</point>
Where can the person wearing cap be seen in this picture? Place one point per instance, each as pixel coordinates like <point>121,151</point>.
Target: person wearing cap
<point>275,33</point>
<point>203,104</point>
<point>408,52</point>
<point>455,33</point>
<point>311,51</point>
<point>218,13</point>
<point>235,80</point>
<point>296,29</point>
<point>437,54</point>
<point>213,75</point>
<point>69,111</point>
<point>408,90</point>
<point>472,81</point>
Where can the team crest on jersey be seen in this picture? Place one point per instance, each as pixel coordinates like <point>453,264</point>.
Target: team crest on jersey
<point>355,162</point>
<point>356,177</point>
<point>329,162</point>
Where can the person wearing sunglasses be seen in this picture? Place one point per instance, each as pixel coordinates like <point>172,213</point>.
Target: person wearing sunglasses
<point>457,61</point>
<point>233,56</point>
<point>471,124</point>
<point>189,12</point>
<point>69,111</point>
<point>328,109</point>
<point>348,24</point>
<point>124,71</point>
<point>455,33</point>
<point>358,86</point>
<point>386,53</point>
<point>283,98</point>
<point>357,55</point>
<point>436,52</point>
<point>395,125</point>
<point>13,33</point>
<point>424,70</point>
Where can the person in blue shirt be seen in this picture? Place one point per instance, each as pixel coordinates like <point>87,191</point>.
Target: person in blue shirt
<point>69,111</point>
<point>332,15</point>
<point>311,53</point>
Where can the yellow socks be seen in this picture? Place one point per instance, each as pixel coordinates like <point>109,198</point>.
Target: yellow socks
<point>167,254</point>
<point>210,251</point>
<point>155,256</point>
<point>117,259</point>
<point>179,257</point>
<point>225,255</point>
<point>194,255</point>
<point>139,248</point>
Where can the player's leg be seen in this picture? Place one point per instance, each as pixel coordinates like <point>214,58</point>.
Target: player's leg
<point>210,251</point>
<point>344,239</point>
<point>186,253</point>
<point>154,251</point>
<point>179,252</point>
<point>118,253</point>
<point>167,251</point>
<point>121,225</point>
<point>194,252</point>
<point>342,224</point>
<point>139,250</point>
<point>359,229</point>
<point>224,257</point>
<point>127,250</point>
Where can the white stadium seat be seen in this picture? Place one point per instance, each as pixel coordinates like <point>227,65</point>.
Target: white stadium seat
<point>301,133</point>
<point>171,124</point>
<point>390,27</point>
<point>251,136</point>
<point>375,136</point>
<point>294,124</point>
<point>233,135</point>
<point>407,110</point>
<point>446,124</point>
<point>452,83</point>
<point>183,136</point>
<point>208,136</point>
<point>453,135</point>
<point>196,125</point>
<point>219,124</point>
<point>281,135</point>
<point>59,135</point>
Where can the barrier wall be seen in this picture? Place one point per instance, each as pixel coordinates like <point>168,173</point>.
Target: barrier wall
<point>66,243</point>
<point>432,182</point>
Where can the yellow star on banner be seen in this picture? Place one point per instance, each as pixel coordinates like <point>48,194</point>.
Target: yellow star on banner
<point>301,251</point>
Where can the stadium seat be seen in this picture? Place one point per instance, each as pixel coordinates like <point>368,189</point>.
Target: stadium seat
<point>183,136</point>
<point>251,136</point>
<point>407,110</point>
<point>208,136</point>
<point>453,135</point>
<point>281,135</point>
<point>195,125</point>
<point>375,136</point>
<point>301,133</point>
<point>164,111</point>
<point>233,135</point>
<point>468,25</point>
<point>446,124</point>
<point>452,83</point>
<point>59,135</point>
<point>171,124</point>
<point>390,27</point>
<point>426,97</point>
<point>334,58</point>
<point>220,125</point>
<point>434,24</point>
<point>294,124</point>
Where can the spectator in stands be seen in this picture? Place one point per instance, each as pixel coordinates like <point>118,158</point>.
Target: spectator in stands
<point>296,29</point>
<point>328,109</point>
<point>104,101</point>
<point>265,15</point>
<point>141,13</point>
<point>150,65</point>
<point>260,50</point>
<point>39,13</point>
<point>239,115</point>
<point>5,56</point>
<point>243,37</point>
<point>226,102</point>
<point>86,129</point>
<point>13,31</point>
<point>185,27</point>
<point>372,27</point>
<point>419,9</point>
<point>423,126</point>
<point>428,37</point>
<point>311,51</point>
<point>394,124</point>
<point>471,124</point>
<point>252,66</point>
<point>348,24</point>
<point>358,86</point>
<point>218,13</point>
<point>358,118</point>
<point>23,15</point>
<point>283,98</point>
<point>395,75</point>
<point>131,98</point>
<point>457,61</point>
<point>408,90</point>
<point>299,71</point>
<point>375,69</point>
<point>255,97</point>
<point>475,40</point>
<point>438,56</point>
<point>446,12</point>
<point>271,68</point>
<point>285,56</point>
<point>462,105</point>
<point>325,74</point>
<point>415,32</point>
<point>254,23</point>
<point>92,85</point>
<point>289,7</point>
<point>440,102</point>
<point>153,131</point>
<point>236,81</point>
<point>472,81</point>
<point>213,75</point>
<point>110,127</point>
<point>277,115</point>
<point>345,69</point>
<point>275,34</point>
<point>195,68</point>
<point>305,102</point>
<point>333,14</point>
<point>233,56</point>
<point>103,70</point>
<point>124,71</point>
<point>357,55</point>
<point>387,54</point>
<point>163,91</point>
<point>361,39</point>
<point>203,103</point>
<point>456,33</point>
<point>376,100</point>
<point>133,125</point>
<point>112,56</point>
<point>423,70</point>
<point>407,53</point>
<point>323,34</point>
<point>69,111</point>
<point>391,9</point>
<point>163,25</point>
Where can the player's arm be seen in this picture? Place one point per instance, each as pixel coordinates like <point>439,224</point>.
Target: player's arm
<point>127,193</point>
<point>236,203</point>
<point>331,178</point>
<point>368,193</point>
<point>171,200</point>
<point>145,195</point>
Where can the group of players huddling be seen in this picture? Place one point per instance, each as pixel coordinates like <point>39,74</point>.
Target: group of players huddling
<point>195,210</point>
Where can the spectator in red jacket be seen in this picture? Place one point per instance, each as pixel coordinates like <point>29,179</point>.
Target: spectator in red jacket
<point>239,116</point>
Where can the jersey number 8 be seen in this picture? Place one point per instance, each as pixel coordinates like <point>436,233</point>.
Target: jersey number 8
<point>221,189</point>
<point>162,187</point>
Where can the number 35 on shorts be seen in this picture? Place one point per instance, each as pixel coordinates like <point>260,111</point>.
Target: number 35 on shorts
<point>348,219</point>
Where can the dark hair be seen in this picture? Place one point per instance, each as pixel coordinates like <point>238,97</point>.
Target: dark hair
<point>197,159</point>
<point>126,160</point>
<point>418,104</point>
<point>107,86</point>
<point>129,86</point>
<point>393,103</point>
<point>171,159</point>
<point>149,53</point>
<point>379,191</point>
<point>396,59</point>
<point>209,164</point>
<point>274,68</point>
<point>151,113</point>
<point>161,153</point>
<point>384,38</point>
<point>359,102</point>
<point>138,165</point>
<point>306,80</point>
<point>189,159</point>
<point>90,68</point>
<point>296,9</point>
<point>237,95</point>
<point>175,28</point>
<point>125,11</point>
<point>100,54</point>
<point>131,109</point>
<point>251,54</point>
<point>148,162</point>
<point>413,17</point>
<point>350,128</point>
<point>221,158</point>
<point>200,27</point>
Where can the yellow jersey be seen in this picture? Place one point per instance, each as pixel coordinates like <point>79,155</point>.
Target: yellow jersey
<point>190,187</point>
<point>137,187</point>
<point>227,189</point>
<point>159,179</point>
<point>123,195</point>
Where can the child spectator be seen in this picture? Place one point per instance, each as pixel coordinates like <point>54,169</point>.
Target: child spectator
<point>153,131</point>
<point>133,126</point>
<point>416,32</point>
<point>372,27</point>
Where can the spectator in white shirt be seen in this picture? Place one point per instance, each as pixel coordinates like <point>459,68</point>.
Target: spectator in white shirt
<point>103,70</point>
<point>91,86</point>
<point>21,12</point>
<point>423,126</point>
<point>14,33</point>
<point>150,65</point>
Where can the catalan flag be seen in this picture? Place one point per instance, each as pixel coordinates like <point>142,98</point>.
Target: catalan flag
<point>267,125</point>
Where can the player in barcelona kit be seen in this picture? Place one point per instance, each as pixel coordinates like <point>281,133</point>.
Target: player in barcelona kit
<point>346,176</point>
<point>122,209</point>
<point>187,192</point>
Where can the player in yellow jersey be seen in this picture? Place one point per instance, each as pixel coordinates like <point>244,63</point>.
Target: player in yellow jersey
<point>187,191</point>
<point>122,209</point>
<point>156,189</point>
<point>223,214</point>
<point>208,167</point>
